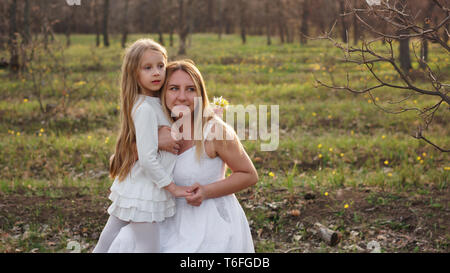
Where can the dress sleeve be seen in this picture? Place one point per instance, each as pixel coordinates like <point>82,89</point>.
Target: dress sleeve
<point>146,125</point>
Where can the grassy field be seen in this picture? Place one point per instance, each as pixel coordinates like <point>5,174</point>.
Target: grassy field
<point>341,160</point>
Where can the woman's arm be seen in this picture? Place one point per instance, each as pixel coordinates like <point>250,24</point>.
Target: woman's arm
<point>243,174</point>
<point>166,142</point>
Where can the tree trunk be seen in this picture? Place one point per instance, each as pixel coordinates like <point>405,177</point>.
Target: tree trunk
<point>424,44</point>
<point>26,23</point>
<point>304,27</point>
<point>96,23</point>
<point>404,56</point>
<point>343,21</point>
<point>69,20</point>
<point>158,17</point>
<point>243,20</point>
<point>355,25</point>
<point>268,19</point>
<point>105,23</point>
<point>13,46</point>
<point>279,19</point>
<point>220,18</point>
<point>183,28</point>
<point>125,24</point>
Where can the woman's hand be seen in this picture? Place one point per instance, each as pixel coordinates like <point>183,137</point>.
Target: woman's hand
<point>199,195</point>
<point>166,142</point>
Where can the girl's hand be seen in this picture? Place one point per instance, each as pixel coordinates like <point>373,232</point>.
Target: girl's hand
<point>166,142</point>
<point>178,191</point>
<point>199,195</point>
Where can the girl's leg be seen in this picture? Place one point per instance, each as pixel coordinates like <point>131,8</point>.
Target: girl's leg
<point>137,238</point>
<point>108,234</point>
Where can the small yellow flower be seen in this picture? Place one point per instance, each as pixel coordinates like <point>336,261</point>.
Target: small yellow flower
<point>331,149</point>
<point>346,206</point>
<point>419,158</point>
<point>377,99</point>
<point>330,116</point>
<point>326,193</point>
<point>89,137</point>
<point>342,154</point>
<point>352,132</point>
<point>271,174</point>
<point>320,155</point>
<point>389,174</point>
<point>25,100</point>
<point>421,161</point>
<point>42,130</point>
<point>415,101</point>
<point>383,136</point>
<point>106,140</point>
<point>40,134</point>
<point>447,168</point>
<point>369,101</point>
<point>314,114</point>
<point>334,172</point>
<point>118,107</point>
<point>319,146</point>
<point>18,133</point>
<point>386,162</point>
<point>424,154</point>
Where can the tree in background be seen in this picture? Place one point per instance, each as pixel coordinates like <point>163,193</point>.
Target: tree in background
<point>403,26</point>
<point>105,23</point>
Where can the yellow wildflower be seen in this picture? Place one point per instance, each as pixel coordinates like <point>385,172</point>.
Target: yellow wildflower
<point>346,206</point>
<point>42,130</point>
<point>25,100</point>
<point>342,154</point>
<point>326,193</point>
<point>331,149</point>
<point>419,158</point>
<point>386,162</point>
<point>271,174</point>
<point>320,155</point>
<point>319,146</point>
<point>424,154</point>
<point>383,136</point>
<point>389,174</point>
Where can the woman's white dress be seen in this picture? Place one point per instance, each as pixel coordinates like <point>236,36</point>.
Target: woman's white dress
<point>217,225</point>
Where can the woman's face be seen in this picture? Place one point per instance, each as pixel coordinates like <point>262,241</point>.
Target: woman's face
<point>181,91</point>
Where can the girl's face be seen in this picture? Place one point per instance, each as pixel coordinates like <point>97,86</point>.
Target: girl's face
<point>151,72</point>
<point>181,91</point>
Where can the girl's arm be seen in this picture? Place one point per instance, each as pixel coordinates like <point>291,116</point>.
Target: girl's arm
<point>146,127</point>
<point>243,174</point>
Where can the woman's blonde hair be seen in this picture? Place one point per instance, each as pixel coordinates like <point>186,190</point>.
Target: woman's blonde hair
<point>207,114</point>
<point>126,153</point>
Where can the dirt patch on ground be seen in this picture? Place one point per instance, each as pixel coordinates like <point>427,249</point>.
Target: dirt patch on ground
<point>281,221</point>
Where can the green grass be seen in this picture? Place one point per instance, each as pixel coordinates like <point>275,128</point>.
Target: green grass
<point>370,148</point>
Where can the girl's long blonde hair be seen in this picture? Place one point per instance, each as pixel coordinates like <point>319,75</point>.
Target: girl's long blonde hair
<point>207,114</point>
<point>126,153</point>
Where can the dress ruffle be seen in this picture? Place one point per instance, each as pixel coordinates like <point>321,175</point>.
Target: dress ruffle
<point>140,201</point>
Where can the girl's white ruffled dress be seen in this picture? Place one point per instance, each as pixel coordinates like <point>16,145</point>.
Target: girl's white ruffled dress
<point>140,197</point>
<point>217,225</point>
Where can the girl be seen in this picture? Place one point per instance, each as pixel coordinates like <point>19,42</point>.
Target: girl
<point>211,220</point>
<point>143,192</point>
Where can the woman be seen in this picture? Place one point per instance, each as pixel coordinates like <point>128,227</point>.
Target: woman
<point>211,220</point>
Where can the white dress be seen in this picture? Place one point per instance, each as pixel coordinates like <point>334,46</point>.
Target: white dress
<point>140,197</point>
<point>217,225</point>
